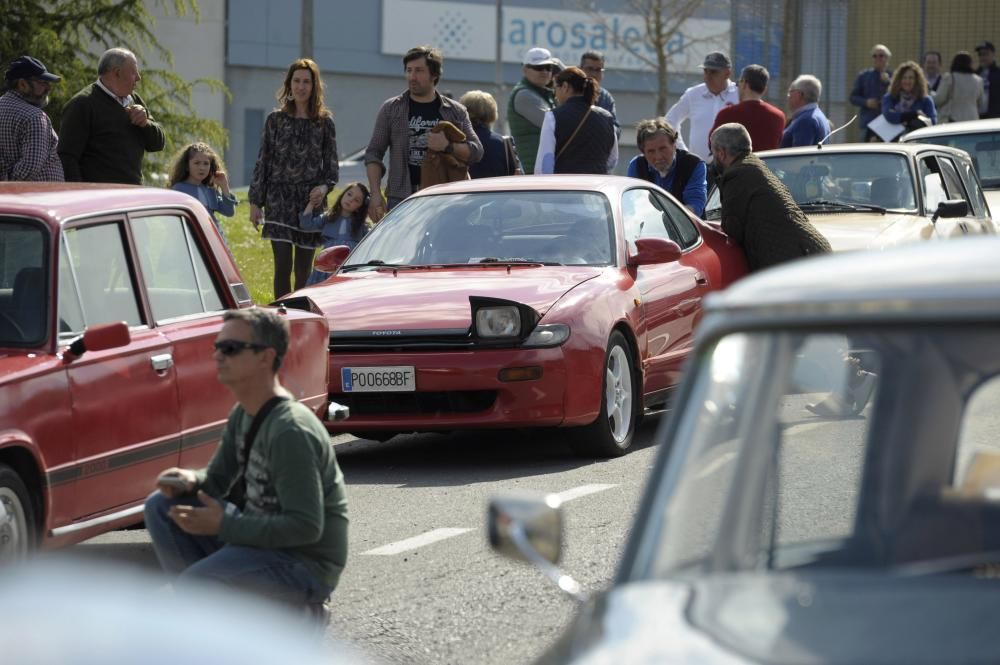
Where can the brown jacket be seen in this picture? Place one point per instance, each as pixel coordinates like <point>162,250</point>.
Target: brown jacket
<point>759,213</point>
<point>439,167</point>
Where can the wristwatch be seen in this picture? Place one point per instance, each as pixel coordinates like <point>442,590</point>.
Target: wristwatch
<point>450,148</point>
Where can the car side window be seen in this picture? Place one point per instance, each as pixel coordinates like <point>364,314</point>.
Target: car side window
<point>684,231</point>
<point>96,284</point>
<point>642,217</point>
<point>177,277</point>
<point>975,188</point>
<point>933,182</point>
<point>953,181</point>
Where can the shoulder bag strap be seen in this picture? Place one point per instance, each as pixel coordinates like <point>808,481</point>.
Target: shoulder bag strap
<point>575,132</point>
<point>239,489</point>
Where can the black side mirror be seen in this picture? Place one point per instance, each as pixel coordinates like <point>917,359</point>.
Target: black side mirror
<point>951,208</point>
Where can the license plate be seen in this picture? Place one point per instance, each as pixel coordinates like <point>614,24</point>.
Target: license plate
<point>401,378</point>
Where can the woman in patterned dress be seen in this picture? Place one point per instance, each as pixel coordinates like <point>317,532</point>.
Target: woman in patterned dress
<point>297,164</point>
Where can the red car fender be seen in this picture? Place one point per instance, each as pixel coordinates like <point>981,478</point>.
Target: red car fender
<point>592,311</point>
<point>16,444</point>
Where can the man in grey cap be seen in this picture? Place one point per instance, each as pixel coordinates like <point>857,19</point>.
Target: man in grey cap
<point>700,104</point>
<point>28,143</point>
<point>529,100</point>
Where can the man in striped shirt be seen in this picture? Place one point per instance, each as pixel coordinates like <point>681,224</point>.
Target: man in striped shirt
<point>27,140</point>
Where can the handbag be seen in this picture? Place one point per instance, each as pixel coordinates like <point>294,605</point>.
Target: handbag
<point>237,494</point>
<point>511,157</point>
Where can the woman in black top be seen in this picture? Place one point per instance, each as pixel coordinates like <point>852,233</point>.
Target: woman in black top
<point>499,156</point>
<point>577,136</point>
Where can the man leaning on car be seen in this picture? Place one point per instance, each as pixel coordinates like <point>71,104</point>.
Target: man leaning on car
<point>758,212</point>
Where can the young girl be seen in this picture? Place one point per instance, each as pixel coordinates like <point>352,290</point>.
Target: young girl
<point>343,224</point>
<point>197,171</point>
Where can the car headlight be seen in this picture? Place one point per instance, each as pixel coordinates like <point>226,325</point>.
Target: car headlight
<point>493,322</point>
<point>550,334</point>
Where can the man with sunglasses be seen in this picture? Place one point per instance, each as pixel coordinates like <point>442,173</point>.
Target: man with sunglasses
<point>869,87</point>
<point>288,539</point>
<point>28,143</point>
<point>529,100</point>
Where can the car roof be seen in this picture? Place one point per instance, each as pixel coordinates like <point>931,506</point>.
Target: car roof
<point>949,128</point>
<point>930,281</point>
<point>535,183</point>
<point>58,201</point>
<point>897,148</point>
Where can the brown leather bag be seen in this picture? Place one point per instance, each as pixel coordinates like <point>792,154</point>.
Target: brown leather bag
<point>440,167</point>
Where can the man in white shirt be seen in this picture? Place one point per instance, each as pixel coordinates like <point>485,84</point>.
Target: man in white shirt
<point>701,102</point>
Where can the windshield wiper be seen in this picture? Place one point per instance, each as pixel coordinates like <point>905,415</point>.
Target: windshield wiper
<point>518,260</point>
<point>379,263</point>
<point>840,205</point>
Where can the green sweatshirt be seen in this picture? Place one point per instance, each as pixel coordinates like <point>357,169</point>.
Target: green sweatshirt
<point>295,499</point>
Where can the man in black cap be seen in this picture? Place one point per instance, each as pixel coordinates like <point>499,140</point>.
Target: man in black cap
<point>701,103</point>
<point>990,73</point>
<point>28,143</point>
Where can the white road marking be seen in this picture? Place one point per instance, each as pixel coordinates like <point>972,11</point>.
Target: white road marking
<point>417,541</point>
<point>583,490</point>
<point>716,464</point>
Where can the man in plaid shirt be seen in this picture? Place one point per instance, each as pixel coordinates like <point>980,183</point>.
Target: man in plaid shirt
<point>403,126</point>
<point>27,140</point>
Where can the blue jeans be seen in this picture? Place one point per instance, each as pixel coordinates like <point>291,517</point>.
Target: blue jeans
<point>196,559</point>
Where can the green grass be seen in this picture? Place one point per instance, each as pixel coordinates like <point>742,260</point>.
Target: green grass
<point>252,253</point>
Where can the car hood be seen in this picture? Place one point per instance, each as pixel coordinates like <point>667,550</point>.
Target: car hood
<point>788,618</point>
<point>866,230</point>
<point>437,298</point>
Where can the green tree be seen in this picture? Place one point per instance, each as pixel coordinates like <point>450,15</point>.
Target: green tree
<point>69,37</point>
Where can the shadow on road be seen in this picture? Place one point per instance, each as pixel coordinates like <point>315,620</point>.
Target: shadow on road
<point>460,458</point>
<point>129,547</point>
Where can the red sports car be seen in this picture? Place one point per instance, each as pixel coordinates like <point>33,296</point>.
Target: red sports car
<point>565,301</point>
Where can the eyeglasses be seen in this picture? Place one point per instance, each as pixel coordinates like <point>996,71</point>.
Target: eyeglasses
<point>540,68</point>
<point>230,347</point>
<point>593,70</point>
<point>879,55</point>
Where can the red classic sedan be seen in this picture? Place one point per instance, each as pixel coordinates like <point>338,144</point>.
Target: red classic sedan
<point>110,300</point>
<point>565,301</point>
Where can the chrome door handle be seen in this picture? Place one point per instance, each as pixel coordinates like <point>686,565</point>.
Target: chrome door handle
<point>700,279</point>
<point>162,362</point>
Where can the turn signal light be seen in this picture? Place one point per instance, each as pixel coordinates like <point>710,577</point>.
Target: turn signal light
<point>520,374</point>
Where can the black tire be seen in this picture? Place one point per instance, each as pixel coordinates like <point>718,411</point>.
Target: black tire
<point>612,433</point>
<point>17,518</point>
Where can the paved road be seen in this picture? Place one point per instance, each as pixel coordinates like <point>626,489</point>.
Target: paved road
<point>422,585</point>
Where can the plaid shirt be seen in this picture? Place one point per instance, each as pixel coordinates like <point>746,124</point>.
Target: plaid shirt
<point>392,131</point>
<point>27,141</point>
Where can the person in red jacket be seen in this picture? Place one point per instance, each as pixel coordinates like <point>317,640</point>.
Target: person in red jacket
<point>763,121</point>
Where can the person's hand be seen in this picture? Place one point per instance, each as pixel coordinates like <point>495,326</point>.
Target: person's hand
<point>256,215</point>
<point>308,209</point>
<point>376,207</point>
<point>175,481</point>
<point>873,103</point>
<point>317,194</point>
<point>199,521</point>
<point>137,115</point>
<point>222,181</point>
<point>437,141</point>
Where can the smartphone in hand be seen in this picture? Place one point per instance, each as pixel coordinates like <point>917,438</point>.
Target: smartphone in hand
<point>174,481</point>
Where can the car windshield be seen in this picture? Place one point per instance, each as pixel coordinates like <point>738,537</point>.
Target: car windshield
<point>23,280</point>
<point>983,147</point>
<point>550,227</point>
<point>868,449</point>
<point>848,179</point>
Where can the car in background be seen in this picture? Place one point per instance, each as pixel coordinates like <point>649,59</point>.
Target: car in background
<point>979,138</point>
<point>110,301</point>
<point>353,169</point>
<point>876,195</point>
<point>555,301</point>
<point>768,534</point>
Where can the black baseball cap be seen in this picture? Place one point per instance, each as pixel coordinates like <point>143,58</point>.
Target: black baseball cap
<point>985,46</point>
<point>27,67</point>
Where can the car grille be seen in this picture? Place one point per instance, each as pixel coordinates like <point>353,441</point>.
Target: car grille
<point>422,403</point>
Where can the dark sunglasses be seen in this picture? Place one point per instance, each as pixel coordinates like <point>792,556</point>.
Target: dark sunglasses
<point>540,68</point>
<point>230,347</point>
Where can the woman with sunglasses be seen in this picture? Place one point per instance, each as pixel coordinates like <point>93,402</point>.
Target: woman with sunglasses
<point>577,136</point>
<point>529,101</point>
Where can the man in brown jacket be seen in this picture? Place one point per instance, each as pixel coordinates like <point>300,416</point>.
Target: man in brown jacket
<point>758,212</point>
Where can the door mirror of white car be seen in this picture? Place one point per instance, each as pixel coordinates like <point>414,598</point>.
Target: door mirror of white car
<point>951,208</point>
<point>654,250</point>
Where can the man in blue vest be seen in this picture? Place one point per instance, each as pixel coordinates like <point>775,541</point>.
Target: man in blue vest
<point>676,170</point>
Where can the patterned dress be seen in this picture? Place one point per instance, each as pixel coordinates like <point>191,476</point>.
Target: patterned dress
<point>296,154</point>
